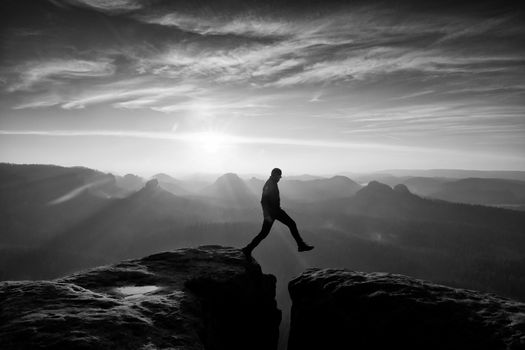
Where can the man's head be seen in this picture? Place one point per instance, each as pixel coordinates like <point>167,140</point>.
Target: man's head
<point>276,174</point>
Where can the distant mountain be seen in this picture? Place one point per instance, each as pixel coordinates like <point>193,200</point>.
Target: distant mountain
<point>425,186</point>
<point>165,178</point>
<point>319,189</point>
<point>171,184</point>
<point>387,179</point>
<point>37,201</point>
<point>383,201</point>
<point>144,221</point>
<point>304,177</point>
<point>12,175</point>
<point>230,190</point>
<point>391,229</point>
<point>457,173</point>
<point>482,191</point>
<point>130,182</point>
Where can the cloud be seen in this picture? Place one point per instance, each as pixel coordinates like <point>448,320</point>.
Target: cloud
<point>435,121</point>
<point>385,61</point>
<point>39,102</point>
<point>111,6</point>
<point>112,93</point>
<point>271,68</point>
<point>239,25</point>
<point>123,94</point>
<point>354,44</point>
<point>33,73</point>
<point>249,63</point>
<point>209,106</point>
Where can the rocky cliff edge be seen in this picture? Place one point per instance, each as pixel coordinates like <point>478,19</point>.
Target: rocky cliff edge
<point>208,297</point>
<point>342,309</point>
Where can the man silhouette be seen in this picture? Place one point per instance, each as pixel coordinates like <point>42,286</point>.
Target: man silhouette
<point>271,206</point>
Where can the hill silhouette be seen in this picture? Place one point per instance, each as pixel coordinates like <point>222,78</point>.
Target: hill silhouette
<point>482,191</point>
<point>130,182</point>
<point>506,193</point>
<point>37,201</point>
<point>319,189</point>
<point>171,184</point>
<point>230,190</point>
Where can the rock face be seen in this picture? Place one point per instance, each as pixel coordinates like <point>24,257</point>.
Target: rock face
<point>209,297</point>
<point>341,309</point>
<point>400,188</point>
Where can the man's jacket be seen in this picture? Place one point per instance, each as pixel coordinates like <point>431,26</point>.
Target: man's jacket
<point>270,196</point>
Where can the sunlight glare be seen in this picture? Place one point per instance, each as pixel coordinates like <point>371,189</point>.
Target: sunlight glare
<point>211,141</point>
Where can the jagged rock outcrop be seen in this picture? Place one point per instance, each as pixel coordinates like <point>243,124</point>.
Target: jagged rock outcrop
<point>151,185</point>
<point>209,297</point>
<point>341,309</point>
<point>401,188</point>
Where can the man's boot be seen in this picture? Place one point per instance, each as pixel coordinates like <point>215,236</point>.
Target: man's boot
<point>247,251</point>
<point>303,247</point>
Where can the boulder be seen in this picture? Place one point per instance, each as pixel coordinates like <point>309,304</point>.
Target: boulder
<point>342,309</point>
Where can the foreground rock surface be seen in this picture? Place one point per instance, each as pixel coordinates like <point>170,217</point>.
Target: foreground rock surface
<point>336,309</point>
<point>209,297</point>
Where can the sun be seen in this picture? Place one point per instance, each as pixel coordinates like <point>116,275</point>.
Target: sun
<point>211,141</point>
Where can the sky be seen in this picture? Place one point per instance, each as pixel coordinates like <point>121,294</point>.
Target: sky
<point>148,86</point>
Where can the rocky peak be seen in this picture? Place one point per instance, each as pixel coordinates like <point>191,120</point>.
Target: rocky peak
<point>378,186</point>
<point>151,185</point>
<point>401,188</point>
<point>375,190</point>
<point>230,178</point>
<point>209,297</point>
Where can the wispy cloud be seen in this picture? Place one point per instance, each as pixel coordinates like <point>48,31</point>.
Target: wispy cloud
<point>211,106</point>
<point>110,6</point>
<point>46,100</point>
<point>347,46</point>
<point>385,61</point>
<point>328,48</point>
<point>109,94</point>
<point>438,121</point>
<point>242,64</point>
<point>123,94</point>
<point>33,73</point>
<point>242,25</point>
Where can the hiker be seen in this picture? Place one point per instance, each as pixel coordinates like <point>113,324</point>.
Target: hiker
<point>271,206</point>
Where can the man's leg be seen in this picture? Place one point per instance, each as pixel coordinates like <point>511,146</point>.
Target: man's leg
<point>288,221</point>
<point>266,227</point>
